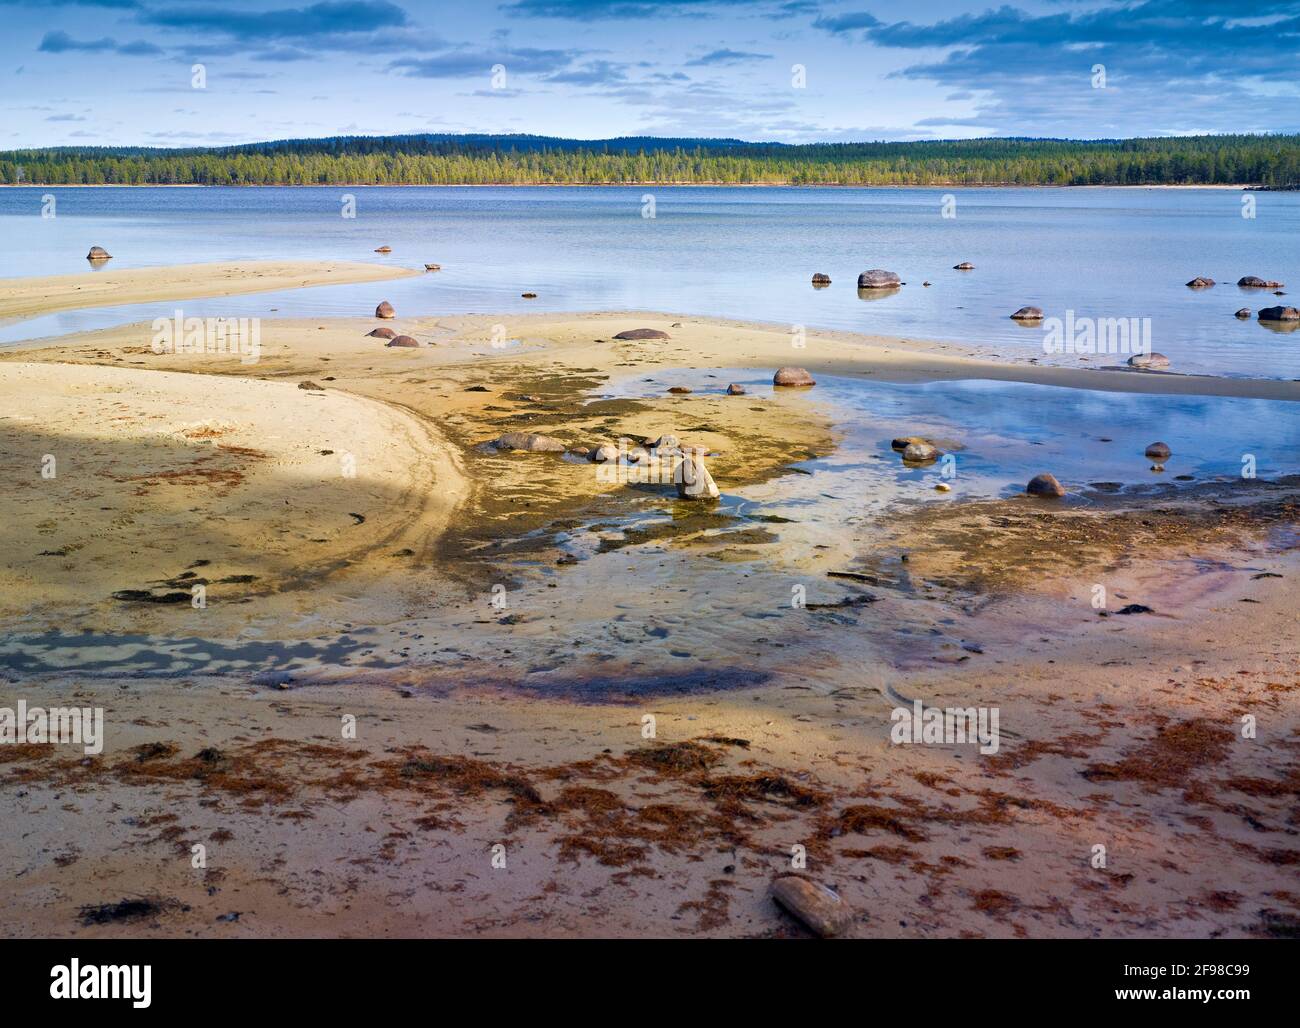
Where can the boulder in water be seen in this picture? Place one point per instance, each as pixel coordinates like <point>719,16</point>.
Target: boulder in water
<point>1255,282</point>
<point>792,377</point>
<point>98,253</point>
<point>1279,314</point>
<point>1045,485</point>
<point>877,278</point>
<point>385,310</point>
<point>1148,361</point>
<point>1200,282</point>
<point>1028,314</point>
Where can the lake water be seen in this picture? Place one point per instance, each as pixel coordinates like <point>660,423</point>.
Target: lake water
<point>732,252</point>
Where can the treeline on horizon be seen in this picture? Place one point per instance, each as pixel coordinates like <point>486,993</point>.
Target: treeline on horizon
<point>1271,160</point>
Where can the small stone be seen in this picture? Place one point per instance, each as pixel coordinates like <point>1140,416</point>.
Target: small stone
<point>433,267</point>
<point>693,479</point>
<point>819,908</point>
<point>529,296</point>
<point>1148,361</point>
<point>308,384</point>
<point>942,487</point>
<point>735,389</point>
<point>1045,485</point>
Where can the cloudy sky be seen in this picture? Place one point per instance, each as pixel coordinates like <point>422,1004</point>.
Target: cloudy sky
<point>121,71</point>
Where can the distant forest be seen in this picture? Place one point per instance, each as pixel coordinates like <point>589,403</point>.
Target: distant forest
<point>434,160</point>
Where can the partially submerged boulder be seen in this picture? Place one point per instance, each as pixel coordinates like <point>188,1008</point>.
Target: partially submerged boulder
<point>98,253</point>
<point>530,442</point>
<point>920,452</point>
<point>693,479</point>
<point>964,266</point>
<point>1045,485</point>
<point>820,909</point>
<point>1148,361</point>
<point>408,342</point>
<point>821,279</point>
<point>735,389</point>
<point>433,267</point>
<point>1028,314</point>
<point>792,377</point>
<point>877,278</point>
<point>1243,313</point>
<point>1255,282</point>
<point>1200,282</point>
<point>1158,451</point>
<point>383,249</point>
<point>1279,314</point>
<point>604,453</point>
<point>641,333</point>
<point>385,310</point>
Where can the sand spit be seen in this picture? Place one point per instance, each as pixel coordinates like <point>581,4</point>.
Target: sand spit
<point>29,297</point>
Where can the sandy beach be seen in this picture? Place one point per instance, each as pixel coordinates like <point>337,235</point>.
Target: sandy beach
<point>580,706</point>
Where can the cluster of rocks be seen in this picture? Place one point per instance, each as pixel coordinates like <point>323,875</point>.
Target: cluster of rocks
<point>689,473</point>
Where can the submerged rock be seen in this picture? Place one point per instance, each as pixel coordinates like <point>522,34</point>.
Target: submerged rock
<point>385,310</point>
<point>1045,485</point>
<point>1028,314</point>
<point>383,249</point>
<point>1255,282</point>
<point>1158,451</point>
<point>529,442</point>
<point>641,333</point>
<point>1243,313</point>
<point>964,266</point>
<point>98,253</point>
<point>1148,361</point>
<point>877,278</point>
<point>433,267</point>
<point>1200,283</point>
<point>735,389</point>
<point>791,376</point>
<point>817,907</point>
<point>821,279</point>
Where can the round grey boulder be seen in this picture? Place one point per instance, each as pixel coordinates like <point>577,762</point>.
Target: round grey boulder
<point>1045,485</point>
<point>792,377</point>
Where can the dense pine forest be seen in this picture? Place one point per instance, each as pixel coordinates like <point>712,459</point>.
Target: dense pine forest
<point>535,160</point>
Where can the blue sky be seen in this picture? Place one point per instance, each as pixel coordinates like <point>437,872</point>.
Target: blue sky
<point>105,72</point>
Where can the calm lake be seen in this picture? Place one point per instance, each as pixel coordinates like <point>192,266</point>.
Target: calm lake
<point>732,252</point>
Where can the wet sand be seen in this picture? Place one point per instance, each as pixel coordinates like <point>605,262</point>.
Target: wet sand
<point>500,625</point>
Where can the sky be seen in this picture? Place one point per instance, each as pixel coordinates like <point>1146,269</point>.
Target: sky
<point>218,72</point>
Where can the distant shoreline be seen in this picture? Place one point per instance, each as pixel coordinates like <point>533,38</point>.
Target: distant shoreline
<point>613,185</point>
